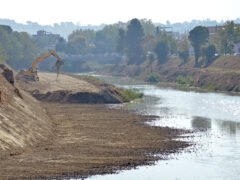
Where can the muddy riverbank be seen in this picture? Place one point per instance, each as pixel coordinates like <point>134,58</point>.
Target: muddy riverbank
<point>48,140</point>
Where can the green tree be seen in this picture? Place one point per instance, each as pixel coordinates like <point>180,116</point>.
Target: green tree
<point>89,34</point>
<point>61,45</point>
<point>172,43</point>
<point>210,54</point>
<point>236,34</point>
<point>183,49</point>
<point>162,50</point>
<point>78,45</point>
<point>134,39</point>
<point>148,43</point>
<point>106,39</point>
<point>148,27</point>
<point>198,37</point>
<point>8,29</point>
<point>22,51</point>
<point>226,35</point>
<point>226,45</point>
<point>16,49</point>
<point>121,41</point>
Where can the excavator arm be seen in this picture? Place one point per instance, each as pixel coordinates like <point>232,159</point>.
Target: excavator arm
<point>58,63</point>
<point>39,59</point>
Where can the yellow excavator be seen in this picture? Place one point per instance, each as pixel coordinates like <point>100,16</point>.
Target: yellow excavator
<point>31,74</point>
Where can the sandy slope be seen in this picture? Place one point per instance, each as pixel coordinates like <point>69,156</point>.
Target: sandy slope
<point>23,121</point>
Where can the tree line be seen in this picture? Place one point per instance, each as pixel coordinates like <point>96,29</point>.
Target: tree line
<point>137,41</point>
<point>221,42</point>
<point>16,48</point>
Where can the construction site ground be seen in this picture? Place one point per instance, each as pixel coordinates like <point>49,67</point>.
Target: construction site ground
<point>44,140</point>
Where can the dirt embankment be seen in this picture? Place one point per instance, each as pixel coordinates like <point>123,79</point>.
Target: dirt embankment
<point>23,121</point>
<point>71,89</point>
<point>223,74</point>
<point>45,140</point>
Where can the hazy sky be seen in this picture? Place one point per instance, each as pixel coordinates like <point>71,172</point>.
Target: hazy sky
<point>111,11</point>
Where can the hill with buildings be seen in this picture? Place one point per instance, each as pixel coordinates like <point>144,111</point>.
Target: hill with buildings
<point>66,28</point>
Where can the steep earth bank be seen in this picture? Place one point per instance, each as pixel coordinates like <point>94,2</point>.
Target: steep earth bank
<point>223,74</point>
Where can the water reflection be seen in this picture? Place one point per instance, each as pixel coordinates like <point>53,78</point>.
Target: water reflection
<point>229,127</point>
<point>217,114</point>
<point>201,123</point>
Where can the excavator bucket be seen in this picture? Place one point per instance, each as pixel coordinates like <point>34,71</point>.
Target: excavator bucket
<point>58,64</point>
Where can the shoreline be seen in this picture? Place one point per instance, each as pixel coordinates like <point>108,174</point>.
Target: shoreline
<point>220,76</point>
<point>177,86</point>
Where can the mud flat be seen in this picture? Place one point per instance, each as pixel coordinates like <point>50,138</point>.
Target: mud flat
<point>78,140</point>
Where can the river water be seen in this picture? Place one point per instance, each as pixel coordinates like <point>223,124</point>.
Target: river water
<point>214,116</point>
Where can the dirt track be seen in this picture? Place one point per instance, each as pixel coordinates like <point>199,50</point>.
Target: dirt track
<point>49,83</point>
<point>76,140</point>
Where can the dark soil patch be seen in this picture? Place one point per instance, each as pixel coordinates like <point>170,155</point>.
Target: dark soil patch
<point>80,97</point>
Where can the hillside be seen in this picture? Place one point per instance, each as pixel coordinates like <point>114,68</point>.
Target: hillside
<point>223,74</point>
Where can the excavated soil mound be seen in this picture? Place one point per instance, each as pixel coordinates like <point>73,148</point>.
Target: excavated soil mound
<point>71,89</point>
<point>80,97</point>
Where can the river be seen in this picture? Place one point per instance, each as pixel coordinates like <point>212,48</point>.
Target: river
<point>214,116</point>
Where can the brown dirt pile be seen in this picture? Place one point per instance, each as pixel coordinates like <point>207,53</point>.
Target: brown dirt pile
<point>71,89</point>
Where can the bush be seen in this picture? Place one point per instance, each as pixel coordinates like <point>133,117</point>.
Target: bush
<point>153,77</point>
<point>89,77</point>
<point>129,95</point>
<point>186,80</point>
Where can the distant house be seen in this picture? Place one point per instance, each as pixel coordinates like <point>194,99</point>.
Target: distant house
<point>42,33</point>
<point>168,30</point>
<point>50,39</point>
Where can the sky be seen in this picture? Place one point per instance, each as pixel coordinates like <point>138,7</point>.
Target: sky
<point>96,12</point>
